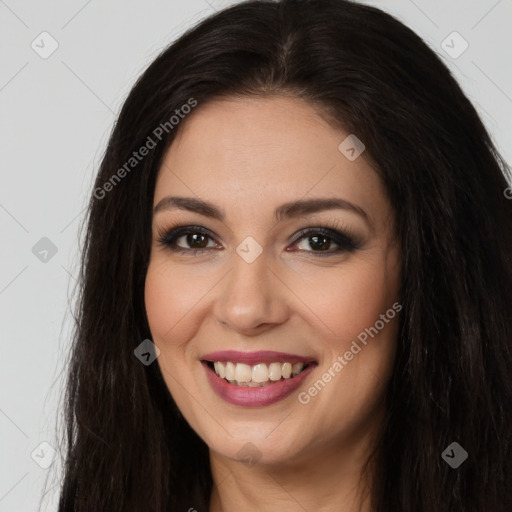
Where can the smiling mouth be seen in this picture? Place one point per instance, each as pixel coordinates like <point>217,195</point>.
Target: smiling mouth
<point>258,375</point>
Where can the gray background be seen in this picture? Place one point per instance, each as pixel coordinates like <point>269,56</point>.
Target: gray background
<point>56,114</point>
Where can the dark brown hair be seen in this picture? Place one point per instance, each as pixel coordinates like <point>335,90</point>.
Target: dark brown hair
<point>127,445</point>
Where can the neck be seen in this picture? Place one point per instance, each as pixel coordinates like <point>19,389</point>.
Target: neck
<point>326,480</point>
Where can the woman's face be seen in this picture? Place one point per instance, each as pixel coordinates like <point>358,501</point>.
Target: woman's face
<point>245,279</point>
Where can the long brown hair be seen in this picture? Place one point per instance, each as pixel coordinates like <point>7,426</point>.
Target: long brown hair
<point>127,445</point>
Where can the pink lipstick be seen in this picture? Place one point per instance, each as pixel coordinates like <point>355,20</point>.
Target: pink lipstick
<point>267,388</point>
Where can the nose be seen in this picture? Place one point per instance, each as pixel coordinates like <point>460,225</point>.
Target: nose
<point>252,298</point>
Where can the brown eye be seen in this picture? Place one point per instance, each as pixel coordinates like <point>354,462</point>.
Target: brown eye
<point>196,240</point>
<point>320,240</point>
<point>187,239</point>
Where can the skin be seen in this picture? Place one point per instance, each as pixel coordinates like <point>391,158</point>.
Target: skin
<point>248,156</point>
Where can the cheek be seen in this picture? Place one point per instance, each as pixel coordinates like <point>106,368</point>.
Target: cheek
<point>172,310</point>
<point>168,307</point>
<point>359,311</point>
<point>162,308</point>
<point>173,302</point>
<point>355,312</point>
<point>344,302</point>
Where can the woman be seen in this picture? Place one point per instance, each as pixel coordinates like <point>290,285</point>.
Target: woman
<point>296,279</point>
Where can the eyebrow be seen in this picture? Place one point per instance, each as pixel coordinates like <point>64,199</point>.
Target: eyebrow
<point>285,211</point>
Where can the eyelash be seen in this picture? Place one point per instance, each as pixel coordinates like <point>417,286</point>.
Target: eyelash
<point>334,231</point>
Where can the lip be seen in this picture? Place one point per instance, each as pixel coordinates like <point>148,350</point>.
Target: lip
<point>255,397</point>
<point>252,358</point>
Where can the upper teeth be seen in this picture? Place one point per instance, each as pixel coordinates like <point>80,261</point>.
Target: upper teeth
<point>259,373</point>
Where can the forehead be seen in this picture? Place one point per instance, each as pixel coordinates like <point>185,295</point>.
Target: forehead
<point>255,153</point>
